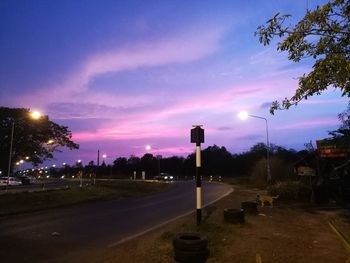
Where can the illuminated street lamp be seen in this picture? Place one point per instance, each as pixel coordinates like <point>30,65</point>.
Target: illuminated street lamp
<point>21,166</point>
<point>148,147</point>
<point>34,115</point>
<point>243,115</point>
<point>104,157</point>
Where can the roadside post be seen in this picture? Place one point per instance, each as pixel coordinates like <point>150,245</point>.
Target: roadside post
<point>197,137</point>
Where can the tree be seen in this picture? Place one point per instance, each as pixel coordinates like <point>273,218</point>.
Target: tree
<point>216,160</point>
<point>341,136</point>
<point>323,35</point>
<point>35,139</point>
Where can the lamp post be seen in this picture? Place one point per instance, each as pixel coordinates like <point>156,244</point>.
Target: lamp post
<point>34,115</point>
<point>243,115</point>
<point>80,173</point>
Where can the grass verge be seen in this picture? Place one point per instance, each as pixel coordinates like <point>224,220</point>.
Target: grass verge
<point>33,201</point>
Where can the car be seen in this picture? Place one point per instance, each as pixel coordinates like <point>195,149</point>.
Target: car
<point>164,177</point>
<point>10,181</point>
<point>3,181</point>
<point>26,179</point>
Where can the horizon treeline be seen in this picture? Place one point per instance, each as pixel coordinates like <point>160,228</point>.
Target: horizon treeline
<point>216,161</point>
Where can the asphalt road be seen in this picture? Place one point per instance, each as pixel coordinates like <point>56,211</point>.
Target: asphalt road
<point>49,236</point>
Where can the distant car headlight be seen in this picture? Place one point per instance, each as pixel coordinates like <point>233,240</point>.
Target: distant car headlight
<point>165,177</point>
<point>171,177</point>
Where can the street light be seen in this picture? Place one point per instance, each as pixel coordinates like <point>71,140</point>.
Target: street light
<point>34,115</point>
<point>148,147</point>
<point>243,115</point>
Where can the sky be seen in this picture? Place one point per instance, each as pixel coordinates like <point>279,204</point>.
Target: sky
<point>126,74</point>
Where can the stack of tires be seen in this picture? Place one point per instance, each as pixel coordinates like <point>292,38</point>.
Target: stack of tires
<point>190,248</point>
<point>234,216</point>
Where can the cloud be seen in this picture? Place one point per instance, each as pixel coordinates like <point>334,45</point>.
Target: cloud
<point>250,137</point>
<point>310,124</point>
<point>341,101</point>
<point>154,117</point>
<point>265,105</point>
<point>225,128</point>
<point>183,48</point>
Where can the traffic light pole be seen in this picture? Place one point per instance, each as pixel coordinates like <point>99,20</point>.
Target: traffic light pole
<point>198,184</point>
<point>197,137</point>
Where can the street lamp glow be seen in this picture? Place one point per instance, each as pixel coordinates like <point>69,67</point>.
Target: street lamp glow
<point>79,161</point>
<point>21,161</point>
<point>27,157</point>
<point>243,115</point>
<point>104,156</point>
<point>50,141</point>
<point>36,115</point>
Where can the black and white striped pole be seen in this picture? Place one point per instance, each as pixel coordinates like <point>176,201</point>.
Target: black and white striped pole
<point>197,137</point>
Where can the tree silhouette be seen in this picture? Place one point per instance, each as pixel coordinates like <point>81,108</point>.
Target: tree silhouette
<point>37,139</point>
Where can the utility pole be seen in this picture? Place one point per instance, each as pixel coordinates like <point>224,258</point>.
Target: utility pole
<point>197,137</point>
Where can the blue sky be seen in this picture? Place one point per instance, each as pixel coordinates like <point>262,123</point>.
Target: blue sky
<point>124,74</point>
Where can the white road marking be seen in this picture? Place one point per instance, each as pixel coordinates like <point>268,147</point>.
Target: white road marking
<point>123,240</point>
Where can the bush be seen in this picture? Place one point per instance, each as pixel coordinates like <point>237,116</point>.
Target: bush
<point>290,190</point>
<point>280,171</point>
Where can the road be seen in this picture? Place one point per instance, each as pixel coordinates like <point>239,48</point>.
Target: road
<point>49,236</point>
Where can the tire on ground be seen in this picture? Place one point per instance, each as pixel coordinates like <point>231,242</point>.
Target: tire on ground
<point>190,242</point>
<point>235,216</point>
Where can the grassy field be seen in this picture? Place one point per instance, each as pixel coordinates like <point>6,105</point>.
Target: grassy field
<point>106,190</point>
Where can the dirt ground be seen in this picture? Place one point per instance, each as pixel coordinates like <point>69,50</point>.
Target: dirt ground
<point>289,232</point>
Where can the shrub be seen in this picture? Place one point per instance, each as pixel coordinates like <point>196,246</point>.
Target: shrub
<point>290,190</point>
<point>280,171</point>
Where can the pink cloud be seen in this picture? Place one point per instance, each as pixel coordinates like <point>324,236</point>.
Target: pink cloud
<point>152,121</point>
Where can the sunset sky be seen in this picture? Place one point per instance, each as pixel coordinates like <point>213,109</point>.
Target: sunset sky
<point>126,74</point>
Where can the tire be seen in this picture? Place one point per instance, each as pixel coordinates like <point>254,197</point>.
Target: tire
<point>199,256</point>
<point>250,207</point>
<point>234,216</point>
<point>190,242</point>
